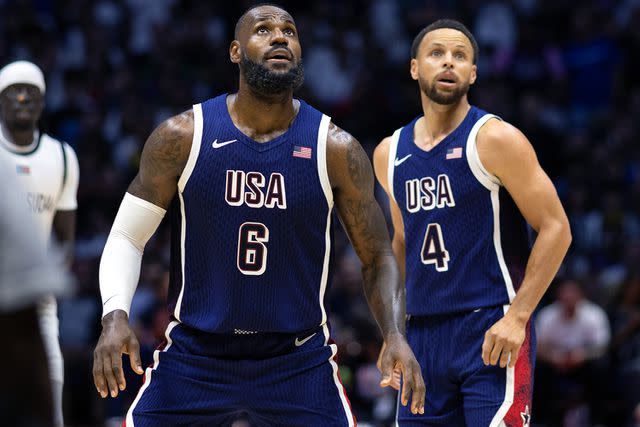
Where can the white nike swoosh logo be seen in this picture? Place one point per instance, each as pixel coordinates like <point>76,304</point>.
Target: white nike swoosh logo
<point>222,144</point>
<point>298,342</point>
<point>398,162</point>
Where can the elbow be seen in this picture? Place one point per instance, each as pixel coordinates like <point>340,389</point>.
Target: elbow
<point>559,230</point>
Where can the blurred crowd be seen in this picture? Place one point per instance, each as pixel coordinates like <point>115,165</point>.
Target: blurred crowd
<point>564,72</point>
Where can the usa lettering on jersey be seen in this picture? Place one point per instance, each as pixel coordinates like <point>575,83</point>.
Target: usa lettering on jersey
<point>428,193</point>
<point>254,190</point>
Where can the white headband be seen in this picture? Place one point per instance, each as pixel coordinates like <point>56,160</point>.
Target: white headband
<point>21,72</point>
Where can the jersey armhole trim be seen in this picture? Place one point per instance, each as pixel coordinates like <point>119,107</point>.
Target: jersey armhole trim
<point>323,173</point>
<point>195,147</point>
<point>393,150</point>
<point>488,180</point>
<point>64,166</point>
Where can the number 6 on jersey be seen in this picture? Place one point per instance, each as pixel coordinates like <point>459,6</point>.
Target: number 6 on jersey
<point>252,251</point>
<point>433,250</point>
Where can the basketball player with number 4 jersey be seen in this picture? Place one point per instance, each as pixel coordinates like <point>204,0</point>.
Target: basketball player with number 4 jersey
<point>463,185</point>
<point>251,180</point>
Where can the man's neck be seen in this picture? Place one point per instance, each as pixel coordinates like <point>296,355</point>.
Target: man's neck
<point>21,137</point>
<point>260,113</point>
<point>440,120</point>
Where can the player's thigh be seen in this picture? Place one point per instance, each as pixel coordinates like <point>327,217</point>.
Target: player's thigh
<point>302,389</point>
<point>495,396</point>
<point>431,341</point>
<point>185,390</point>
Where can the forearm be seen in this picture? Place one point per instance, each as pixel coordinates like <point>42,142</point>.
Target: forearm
<point>385,294</point>
<point>546,256</point>
<point>399,252</point>
<point>135,223</point>
<point>64,228</point>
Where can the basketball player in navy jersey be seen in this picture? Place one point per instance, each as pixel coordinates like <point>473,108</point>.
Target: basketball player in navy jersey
<point>462,186</point>
<point>251,179</point>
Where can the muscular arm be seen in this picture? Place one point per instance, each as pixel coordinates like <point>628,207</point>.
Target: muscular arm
<point>381,166</point>
<point>352,182</point>
<point>351,178</point>
<point>506,153</point>
<point>163,159</point>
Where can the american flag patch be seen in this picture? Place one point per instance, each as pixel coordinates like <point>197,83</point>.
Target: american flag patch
<point>303,152</point>
<point>23,170</point>
<point>454,153</point>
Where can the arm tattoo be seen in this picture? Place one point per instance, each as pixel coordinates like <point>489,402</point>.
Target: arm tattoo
<point>353,182</point>
<point>166,150</point>
<point>163,159</point>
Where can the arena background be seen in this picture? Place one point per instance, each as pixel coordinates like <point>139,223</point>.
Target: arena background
<point>565,72</point>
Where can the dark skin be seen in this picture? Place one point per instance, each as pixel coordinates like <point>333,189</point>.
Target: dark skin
<point>21,106</point>
<point>268,36</point>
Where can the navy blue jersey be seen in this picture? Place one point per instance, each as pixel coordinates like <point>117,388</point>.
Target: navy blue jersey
<point>251,232</point>
<point>466,242</point>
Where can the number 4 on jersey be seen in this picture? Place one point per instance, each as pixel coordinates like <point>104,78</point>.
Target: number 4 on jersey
<point>433,250</point>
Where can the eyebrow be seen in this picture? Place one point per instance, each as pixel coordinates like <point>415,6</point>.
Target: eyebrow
<point>442,45</point>
<point>271,17</point>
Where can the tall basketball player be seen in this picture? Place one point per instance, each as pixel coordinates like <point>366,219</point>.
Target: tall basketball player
<point>462,186</point>
<point>251,179</point>
<point>28,273</point>
<point>48,172</point>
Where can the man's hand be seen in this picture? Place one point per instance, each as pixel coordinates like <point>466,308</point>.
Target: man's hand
<point>505,336</point>
<point>394,381</point>
<point>116,338</point>
<point>396,357</point>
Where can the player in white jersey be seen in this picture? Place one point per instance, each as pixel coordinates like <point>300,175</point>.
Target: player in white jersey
<point>48,171</point>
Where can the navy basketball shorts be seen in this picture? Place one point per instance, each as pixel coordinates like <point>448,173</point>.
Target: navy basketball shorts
<point>196,380</point>
<point>461,390</point>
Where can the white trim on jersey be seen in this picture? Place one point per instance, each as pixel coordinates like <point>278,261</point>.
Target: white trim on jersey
<point>182,182</point>
<point>67,199</point>
<point>147,378</point>
<point>343,397</point>
<point>393,150</point>
<point>323,174</point>
<point>498,419</point>
<point>492,183</point>
<point>195,147</point>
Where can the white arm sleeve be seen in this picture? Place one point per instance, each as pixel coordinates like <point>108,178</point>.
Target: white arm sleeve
<point>134,225</point>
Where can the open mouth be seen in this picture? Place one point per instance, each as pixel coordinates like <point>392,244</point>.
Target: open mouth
<point>279,55</point>
<point>279,58</point>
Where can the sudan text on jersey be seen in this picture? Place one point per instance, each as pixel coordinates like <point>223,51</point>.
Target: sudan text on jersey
<point>429,193</point>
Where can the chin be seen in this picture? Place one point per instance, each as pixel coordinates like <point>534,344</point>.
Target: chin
<point>279,68</point>
<point>24,123</point>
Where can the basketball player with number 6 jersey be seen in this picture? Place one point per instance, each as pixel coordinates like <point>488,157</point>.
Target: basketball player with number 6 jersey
<point>251,179</point>
<point>462,186</point>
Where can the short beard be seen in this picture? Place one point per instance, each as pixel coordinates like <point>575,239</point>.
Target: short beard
<point>444,98</point>
<point>267,82</point>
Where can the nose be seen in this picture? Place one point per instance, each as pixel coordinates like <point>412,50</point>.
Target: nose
<point>22,96</point>
<point>279,38</point>
<point>448,60</point>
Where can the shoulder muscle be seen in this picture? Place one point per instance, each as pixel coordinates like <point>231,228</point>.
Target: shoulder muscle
<point>164,157</point>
